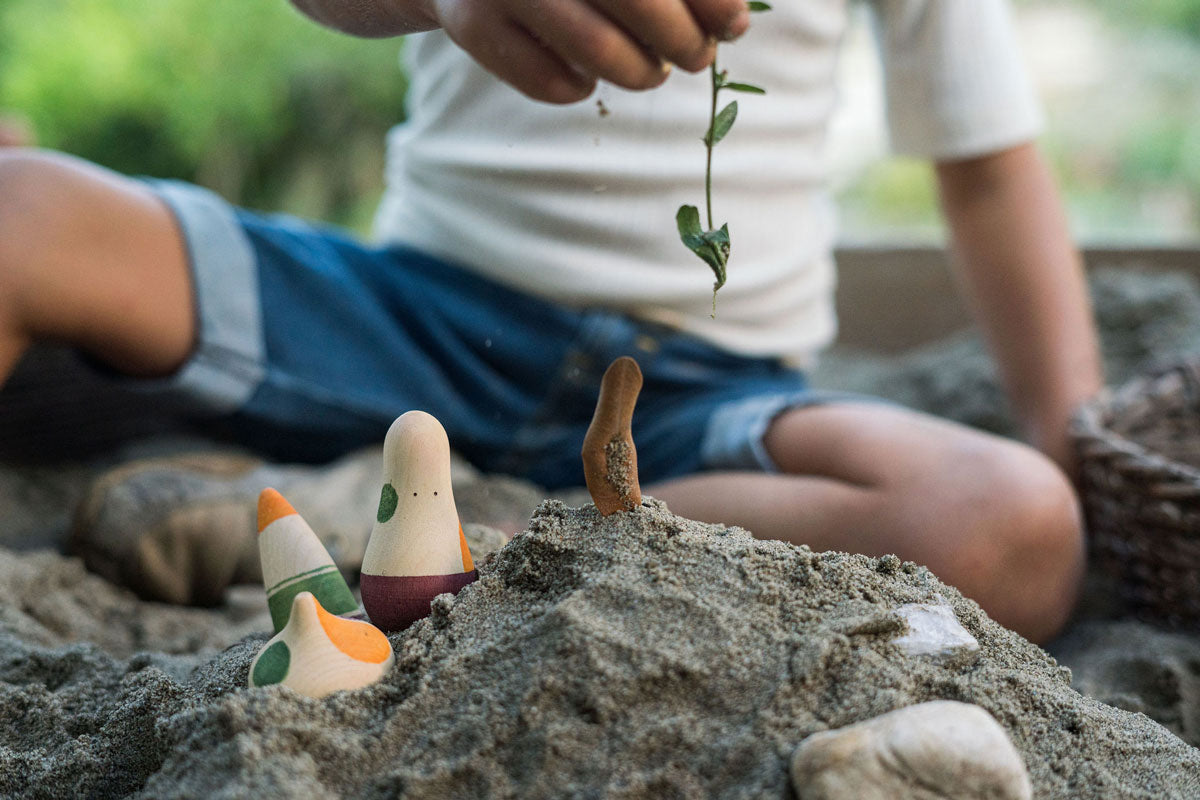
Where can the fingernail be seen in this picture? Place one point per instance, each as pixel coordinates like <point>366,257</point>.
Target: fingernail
<point>737,26</point>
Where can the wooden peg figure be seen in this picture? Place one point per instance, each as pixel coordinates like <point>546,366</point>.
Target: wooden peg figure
<point>317,653</point>
<point>294,561</point>
<point>609,457</point>
<point>417,549</point>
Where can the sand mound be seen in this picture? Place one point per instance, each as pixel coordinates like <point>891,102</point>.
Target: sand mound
<point>639,655</point>
<point>644,656</point>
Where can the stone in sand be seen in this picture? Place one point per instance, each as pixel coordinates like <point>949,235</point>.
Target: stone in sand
<point>417,549</point>
<point>933,630</point>
<point>294,561</point>
<point>933,750</point>
<point>318,653</point>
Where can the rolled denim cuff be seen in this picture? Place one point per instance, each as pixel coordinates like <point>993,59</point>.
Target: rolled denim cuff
<point>227,363</point>
<point>734,436</point>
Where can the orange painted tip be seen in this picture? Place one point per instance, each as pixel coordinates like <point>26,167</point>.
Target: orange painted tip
<point>272,506</point>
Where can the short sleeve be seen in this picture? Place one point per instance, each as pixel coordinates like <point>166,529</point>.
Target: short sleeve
<point>956,85</point>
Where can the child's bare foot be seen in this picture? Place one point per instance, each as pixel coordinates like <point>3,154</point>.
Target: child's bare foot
<point>181,529</point>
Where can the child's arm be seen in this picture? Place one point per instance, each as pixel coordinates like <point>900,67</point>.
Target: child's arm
<point>555,50</point>
<point>1024,281</point>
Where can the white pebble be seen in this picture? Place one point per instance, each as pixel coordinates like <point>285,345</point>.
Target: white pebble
<point>938,749</point>
<point>933,630</point>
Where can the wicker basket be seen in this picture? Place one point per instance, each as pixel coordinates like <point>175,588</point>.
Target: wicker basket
<point>1139,451</point>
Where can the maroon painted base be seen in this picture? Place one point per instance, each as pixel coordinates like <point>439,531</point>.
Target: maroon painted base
<point>395,602</point>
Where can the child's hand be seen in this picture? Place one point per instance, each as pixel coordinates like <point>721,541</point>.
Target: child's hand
<point>555,50</point>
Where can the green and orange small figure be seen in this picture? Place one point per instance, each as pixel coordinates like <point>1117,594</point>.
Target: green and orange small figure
<point>318,653</point>
<point>294,561</point>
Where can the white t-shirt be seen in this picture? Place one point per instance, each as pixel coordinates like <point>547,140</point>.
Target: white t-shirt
<point>577,203</point>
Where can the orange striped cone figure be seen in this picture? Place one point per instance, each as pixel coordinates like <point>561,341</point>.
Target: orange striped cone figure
<point>417,549</point>
<point>294,561</point>
<point>317,652</point>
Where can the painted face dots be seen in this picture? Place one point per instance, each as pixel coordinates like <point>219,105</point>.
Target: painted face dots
<point>415,555</point>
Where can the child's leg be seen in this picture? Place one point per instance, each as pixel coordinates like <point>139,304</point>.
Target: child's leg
<point>92,259</point>
<point>992,517</point>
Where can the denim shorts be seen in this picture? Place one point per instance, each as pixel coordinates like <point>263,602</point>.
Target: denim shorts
<point>311,343</point>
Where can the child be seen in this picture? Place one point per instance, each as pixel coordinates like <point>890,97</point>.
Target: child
<point>526,244</point>
<point>14,131</point>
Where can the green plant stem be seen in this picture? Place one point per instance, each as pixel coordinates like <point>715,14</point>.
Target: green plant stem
<point>708,143</point>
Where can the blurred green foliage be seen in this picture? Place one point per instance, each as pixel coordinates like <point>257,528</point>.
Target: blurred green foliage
<point>244,96</point>
<point>1130,157</point>
<point>1126,150</point>
<point>1182,16</point>
<point>894,199</point>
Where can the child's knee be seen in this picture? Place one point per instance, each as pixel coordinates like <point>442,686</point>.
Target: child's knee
<point>1026,542</point>
<point>12,178</point>
<point>15,178</point>
<point>39,193</point>
<point>23,178</point>
<point>22,175</point>
<point>1047,535</point>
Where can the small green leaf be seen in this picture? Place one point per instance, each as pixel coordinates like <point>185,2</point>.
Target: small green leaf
<point>718,243</point>
<point>719,237</point>
<point>748,88</point>
<point>711,246</point>
<point>713,253</point>
<point>718,240</point>
<point>687,219</point>
<point>754,5</point>
<point>711,256</point>
<point>721,124</point>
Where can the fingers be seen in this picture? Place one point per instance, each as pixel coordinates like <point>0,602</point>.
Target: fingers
<point>725,20</point>
<point>682,32</point>
<point>510,52</point>
<point>555,50</point>
<point>586,38</point>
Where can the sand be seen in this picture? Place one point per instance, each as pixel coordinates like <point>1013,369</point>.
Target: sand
<point>638,655</point>
<point>641,655</point>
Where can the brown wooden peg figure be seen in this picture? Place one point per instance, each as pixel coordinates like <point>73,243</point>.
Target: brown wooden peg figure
<point>609,457</point>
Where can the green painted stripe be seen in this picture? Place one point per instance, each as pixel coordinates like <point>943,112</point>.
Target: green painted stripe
<point>300,576</point>
<point>329,588</point>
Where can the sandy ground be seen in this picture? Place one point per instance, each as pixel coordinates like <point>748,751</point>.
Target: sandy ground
<point>646,657</point>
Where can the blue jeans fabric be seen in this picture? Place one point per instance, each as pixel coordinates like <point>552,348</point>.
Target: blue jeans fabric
<point>310,344</point>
